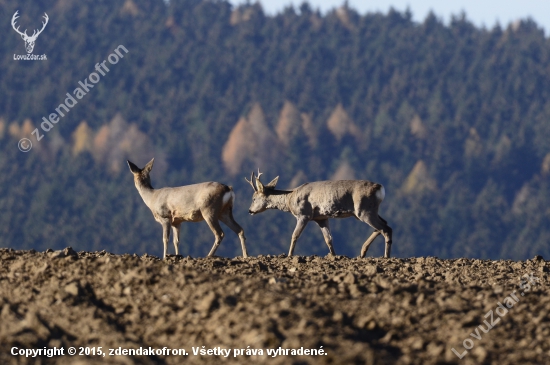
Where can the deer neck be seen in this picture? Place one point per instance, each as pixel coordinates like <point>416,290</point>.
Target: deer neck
<point>145,190</point>
<point>277,199</point>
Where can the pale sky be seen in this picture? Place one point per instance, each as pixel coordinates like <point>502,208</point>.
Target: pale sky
<point>480,12</point>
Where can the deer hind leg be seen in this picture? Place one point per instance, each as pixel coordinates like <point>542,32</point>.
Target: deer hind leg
<point>176,230</point>
<point>381,227</point>
<point>218,233</point>
<point>165,235</point>
<point>323,224</point>
<point>300,225</point>
<point>228,220</point>
<point>368,242</point>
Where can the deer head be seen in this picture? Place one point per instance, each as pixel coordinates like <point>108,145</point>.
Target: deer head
<point>141,176</point>
<point>29,41</point>
<point>261,193</point>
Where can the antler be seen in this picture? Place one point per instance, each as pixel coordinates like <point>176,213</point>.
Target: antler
<point>24,34</point>
<point>251,181</point>
<point>15,16</point>
<point>259,185</point>
<point>43,26</point>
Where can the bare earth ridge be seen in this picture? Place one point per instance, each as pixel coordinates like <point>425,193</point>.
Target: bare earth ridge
<point>349,310</point>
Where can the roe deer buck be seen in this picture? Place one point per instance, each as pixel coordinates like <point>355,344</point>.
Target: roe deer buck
<point>209,201</point>
<point>318,201</point>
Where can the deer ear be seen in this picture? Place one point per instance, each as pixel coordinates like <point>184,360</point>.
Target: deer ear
<point>272,183</point>
<point>260,186</point>
<point>133,168</point>
<point>147,169</point>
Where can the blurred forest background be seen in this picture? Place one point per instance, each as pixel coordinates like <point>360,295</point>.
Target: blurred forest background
<point>452,119</point>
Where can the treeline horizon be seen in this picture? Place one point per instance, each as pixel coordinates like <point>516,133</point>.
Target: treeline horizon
<point>451,118</point>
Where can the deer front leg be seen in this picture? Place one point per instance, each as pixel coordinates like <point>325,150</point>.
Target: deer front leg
<point>176,238</point>
<point>323,224</point>
<point>300,225</point>
<point>165,235</point>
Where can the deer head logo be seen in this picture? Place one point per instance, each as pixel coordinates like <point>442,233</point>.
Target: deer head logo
<point>29,41</point>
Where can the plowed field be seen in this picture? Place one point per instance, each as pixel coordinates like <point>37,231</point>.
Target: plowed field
<point>302,310</point>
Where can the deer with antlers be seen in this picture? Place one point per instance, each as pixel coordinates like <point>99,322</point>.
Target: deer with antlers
<point>318,201</point>
<point>29,41</point>
<point>209,201</point>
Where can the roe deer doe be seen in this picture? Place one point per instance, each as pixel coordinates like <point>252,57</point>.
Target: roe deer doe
<point>318,201</point>
<point>208,201</point>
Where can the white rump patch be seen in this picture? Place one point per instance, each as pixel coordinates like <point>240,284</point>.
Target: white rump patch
<point>229,196</point>
<point>381,194</point>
